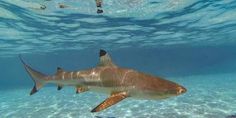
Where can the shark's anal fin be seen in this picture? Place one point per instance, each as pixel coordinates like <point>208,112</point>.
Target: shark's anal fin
<point>59,87</point>
<point>113,99</point>
<point>80,89</point>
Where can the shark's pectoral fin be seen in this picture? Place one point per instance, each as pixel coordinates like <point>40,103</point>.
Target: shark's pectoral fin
<point>80,89</point>
<point>59,87</point>
<point>113,99</point>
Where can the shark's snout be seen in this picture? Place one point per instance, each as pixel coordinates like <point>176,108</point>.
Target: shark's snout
<point>181,90</point>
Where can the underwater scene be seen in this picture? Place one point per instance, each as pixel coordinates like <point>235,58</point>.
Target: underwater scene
<point>118,59</point>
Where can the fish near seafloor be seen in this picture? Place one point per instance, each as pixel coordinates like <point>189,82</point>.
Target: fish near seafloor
<point>106,77</point>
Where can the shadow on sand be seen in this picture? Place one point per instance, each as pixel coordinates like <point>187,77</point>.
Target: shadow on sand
<point>104,117</point>
<point>231,116</point>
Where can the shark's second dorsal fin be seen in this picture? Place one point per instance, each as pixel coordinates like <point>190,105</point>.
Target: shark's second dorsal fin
<point>105,59</point>
<point>59,70</point>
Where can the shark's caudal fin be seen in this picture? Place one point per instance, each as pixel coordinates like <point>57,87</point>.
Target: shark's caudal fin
<point>37,77</point>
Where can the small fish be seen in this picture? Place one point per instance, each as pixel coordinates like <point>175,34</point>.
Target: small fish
<point>61,5</point>
<point>107,77</point>
<point>99,6</point>
<point>41,7</point>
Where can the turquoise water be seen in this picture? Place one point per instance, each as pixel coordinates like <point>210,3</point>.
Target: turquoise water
<point>191,42</point>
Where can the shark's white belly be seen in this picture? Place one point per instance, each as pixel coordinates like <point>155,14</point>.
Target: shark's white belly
<point>108,90</point>
<point>134,93</point>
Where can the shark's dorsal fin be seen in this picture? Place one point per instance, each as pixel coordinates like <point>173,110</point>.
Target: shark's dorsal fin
<point>105,59</point>
<point>59,69</point>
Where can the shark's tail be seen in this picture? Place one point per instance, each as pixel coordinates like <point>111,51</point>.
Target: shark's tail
<point>38,78</point>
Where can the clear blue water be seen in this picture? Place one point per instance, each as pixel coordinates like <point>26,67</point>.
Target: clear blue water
<point>191,42</point>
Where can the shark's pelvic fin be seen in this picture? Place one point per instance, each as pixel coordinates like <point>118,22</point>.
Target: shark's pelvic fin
<point>37,77</point>
<point>113,99</point>
<point>80,89</point>
<point>59,87</point>
<point>105,59</point>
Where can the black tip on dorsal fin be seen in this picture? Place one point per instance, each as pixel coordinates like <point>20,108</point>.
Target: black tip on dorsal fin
<point>34,90</point>
<point>102,52</point>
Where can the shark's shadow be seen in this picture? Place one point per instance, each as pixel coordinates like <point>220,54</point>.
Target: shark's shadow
<point>231,116</point>
<point>104,117</point>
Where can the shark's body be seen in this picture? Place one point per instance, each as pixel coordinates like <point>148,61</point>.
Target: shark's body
<point>108,78</point>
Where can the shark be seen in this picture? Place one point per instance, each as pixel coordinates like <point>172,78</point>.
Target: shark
<point>106,77</point>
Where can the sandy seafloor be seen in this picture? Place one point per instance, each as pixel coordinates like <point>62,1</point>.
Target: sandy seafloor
<point>208,96</point>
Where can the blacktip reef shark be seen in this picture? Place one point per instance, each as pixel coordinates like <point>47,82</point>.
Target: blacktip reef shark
<point>107,77</point>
